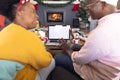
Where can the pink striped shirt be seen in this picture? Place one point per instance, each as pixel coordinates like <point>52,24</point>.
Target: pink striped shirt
<point>99,58</point>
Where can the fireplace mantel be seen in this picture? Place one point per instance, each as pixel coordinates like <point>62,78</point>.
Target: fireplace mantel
<point>55,2</point>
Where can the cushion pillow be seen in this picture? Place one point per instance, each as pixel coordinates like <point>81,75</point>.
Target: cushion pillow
<point>8,69</point>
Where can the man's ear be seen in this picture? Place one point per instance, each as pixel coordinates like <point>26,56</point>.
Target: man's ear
<point>103,4</point>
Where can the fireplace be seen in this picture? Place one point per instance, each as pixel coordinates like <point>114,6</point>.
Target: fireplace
<point>54,16</point>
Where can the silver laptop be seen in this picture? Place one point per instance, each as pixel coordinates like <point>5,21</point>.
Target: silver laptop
<point>57,32</point>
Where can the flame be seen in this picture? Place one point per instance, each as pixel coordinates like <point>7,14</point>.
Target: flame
<point>55,16</point>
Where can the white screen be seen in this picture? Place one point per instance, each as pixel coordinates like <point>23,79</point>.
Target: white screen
<point>59,31</point>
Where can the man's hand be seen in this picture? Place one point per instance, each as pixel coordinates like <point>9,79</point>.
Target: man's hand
<point>65,47</point>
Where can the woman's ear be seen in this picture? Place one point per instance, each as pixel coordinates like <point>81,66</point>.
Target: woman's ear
<point>19,13</point>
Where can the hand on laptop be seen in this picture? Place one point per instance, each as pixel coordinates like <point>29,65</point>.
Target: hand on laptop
<point>65,46</point>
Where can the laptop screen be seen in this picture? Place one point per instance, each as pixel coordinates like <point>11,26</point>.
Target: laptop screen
<point>58,31</point>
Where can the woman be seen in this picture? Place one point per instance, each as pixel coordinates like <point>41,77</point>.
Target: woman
<point>18,44</point>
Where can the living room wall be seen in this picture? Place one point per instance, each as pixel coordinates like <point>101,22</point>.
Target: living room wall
<point>69,15</point>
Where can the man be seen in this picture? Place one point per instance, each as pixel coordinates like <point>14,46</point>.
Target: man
<point>91,1</point>
<point>93,22</point>
<point>99,58</point>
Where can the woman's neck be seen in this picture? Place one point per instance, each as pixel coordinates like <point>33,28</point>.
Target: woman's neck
<point>21,23</point>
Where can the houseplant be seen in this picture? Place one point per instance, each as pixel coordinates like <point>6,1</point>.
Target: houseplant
<point>81,12</point>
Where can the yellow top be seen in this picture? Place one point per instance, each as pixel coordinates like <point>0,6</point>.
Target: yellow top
<point>21,45</point>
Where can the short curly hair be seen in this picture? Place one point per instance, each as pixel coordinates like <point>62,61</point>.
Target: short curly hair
<point>8,8</point>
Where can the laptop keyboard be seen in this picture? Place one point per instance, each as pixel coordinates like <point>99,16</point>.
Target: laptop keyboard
<point>54,41</point>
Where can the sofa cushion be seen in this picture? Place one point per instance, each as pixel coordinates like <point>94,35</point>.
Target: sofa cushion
<point>8,69</point>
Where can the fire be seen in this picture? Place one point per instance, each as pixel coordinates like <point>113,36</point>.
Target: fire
<point>55,16</point>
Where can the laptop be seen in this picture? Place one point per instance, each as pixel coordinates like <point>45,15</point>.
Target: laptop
<point>57,32</point>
